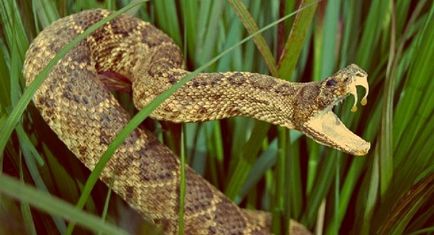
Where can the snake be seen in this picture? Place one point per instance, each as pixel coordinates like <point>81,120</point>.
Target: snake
<point>77,102</point>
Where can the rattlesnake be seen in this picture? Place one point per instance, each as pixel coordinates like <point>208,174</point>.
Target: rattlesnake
<point>75,102</point>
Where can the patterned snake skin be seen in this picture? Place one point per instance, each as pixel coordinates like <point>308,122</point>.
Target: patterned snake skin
<point>76,103</point>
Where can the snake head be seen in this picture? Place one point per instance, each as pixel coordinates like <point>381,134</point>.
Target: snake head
<point>323,125</point>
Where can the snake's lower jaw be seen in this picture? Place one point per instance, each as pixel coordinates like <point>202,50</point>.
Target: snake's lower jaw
<point>326,128</point>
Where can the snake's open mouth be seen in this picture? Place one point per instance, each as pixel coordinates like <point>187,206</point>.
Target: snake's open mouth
<point>327,129</point>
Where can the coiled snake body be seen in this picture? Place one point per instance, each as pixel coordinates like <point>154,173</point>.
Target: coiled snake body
<point>75,102</point>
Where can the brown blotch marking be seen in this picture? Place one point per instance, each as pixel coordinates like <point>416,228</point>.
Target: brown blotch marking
<point>45,101</point>
<point>228,217</point>
<point>77,98</point>
<point>85,100</point>
<point>172,78</point>
<point>106,119</point>
<point>212,230</point>
<point>305,103</point>
<point>84,83</point>
<point>35,49</point>
<point>54,45</point>
<point>129,192</point>
<point>308,93</point>
<point>124,162</point>
<point>285,89</point>
<point>104,138</point>
<point>89,17</point>
<point>152,36</point>
<point>202,110</point>
<point>216,78</point>
<point>217,97</point>
<point>195,83</point>
<point>167,56</point>
<point>236,79</point>
<point>259,101</point>
<point>68,95</point>
<point>156,69</point>
<point>262,84</point>
<point>71,95</point>
<point>65,32</point>
<point>109,122</point>
<point>152,170</point>
<point>100,34</point>
<point>202,81</point>
<point>166,224</point>
<point>49,113</point>
<point>82,150</point>
<point>167,109</point>
<point>123,25</point>
<point>81,54</point>
<point>199,194</point>
<point>233,112</point>
<point>118,58</point>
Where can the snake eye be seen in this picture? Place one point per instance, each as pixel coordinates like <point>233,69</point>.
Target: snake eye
<point>331,83</point>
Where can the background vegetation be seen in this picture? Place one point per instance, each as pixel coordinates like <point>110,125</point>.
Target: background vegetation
<point>390,191</point>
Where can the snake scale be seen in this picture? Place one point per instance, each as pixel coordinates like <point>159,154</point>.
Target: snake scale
<point>77,104</point>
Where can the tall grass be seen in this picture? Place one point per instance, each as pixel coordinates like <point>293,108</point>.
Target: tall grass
<point>257,165</point>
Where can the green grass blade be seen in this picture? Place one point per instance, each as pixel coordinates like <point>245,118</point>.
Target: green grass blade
<point>202,27</point>
<point>281,210</point>
<point>189,10</point>
<point>208,45</point>
<point>167,19</point>
<point>54,206</point>
<point>329,40</point>
<point>106,206</point>
<point>182,186</point>
<point>407,205</point>
<point>415,91</point>
<point>296,38</point>
<point>428,230</point>
<point>25,209</point>
<point>296,193</point>
<point>245,162</point>
<point>28,145</point>
<point>265,161</point>
<point>35,174</point>
<point>386,133</point>
<point>348,187</point>
<point>5,100</point>
<point>215,145</point>
<point>234,60</point>
<point>110,5</point>
<point>45,11</point>
<point>13,27</point>
<point>371,32</point>
<point>321,187</point>
<point>372,195</point>
<point>250,24</point>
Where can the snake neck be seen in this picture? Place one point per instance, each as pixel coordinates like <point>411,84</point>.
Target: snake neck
<point>211,96</point>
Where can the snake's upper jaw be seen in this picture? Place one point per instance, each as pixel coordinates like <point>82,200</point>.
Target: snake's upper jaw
<point>327,129</point>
